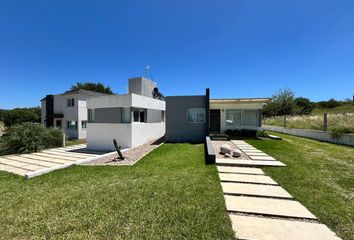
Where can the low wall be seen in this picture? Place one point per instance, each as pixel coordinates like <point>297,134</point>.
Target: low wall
<point>100,136</point>
<point>345,139</point>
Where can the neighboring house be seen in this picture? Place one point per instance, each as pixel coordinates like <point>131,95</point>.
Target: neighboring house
<point>68,112</point>
<point>191,118</point>
<point>132,119</point>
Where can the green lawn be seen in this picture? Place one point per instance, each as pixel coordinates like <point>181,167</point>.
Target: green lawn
<point>74,142</point>
<point>319,175</point>
<point>170,194</point>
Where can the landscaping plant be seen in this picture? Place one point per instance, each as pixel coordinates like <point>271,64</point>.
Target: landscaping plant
<point>28,138</point>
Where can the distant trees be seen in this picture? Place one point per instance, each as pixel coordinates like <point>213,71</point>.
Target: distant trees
<point>303,105</point>
<point>21,115</point>
<point>96,87</point>
<point>282,103</point>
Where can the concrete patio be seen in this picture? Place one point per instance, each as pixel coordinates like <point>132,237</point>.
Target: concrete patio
<point>35,164</point>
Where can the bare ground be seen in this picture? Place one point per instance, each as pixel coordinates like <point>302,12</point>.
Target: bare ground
<point>131,156</point>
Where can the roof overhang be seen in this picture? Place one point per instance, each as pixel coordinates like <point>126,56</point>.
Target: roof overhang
<point>240,100</point>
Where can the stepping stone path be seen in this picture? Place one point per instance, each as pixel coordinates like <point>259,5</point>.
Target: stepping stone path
<point>258,207</point>
<point>35,164</point>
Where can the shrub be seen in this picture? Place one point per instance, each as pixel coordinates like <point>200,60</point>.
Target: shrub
<point>21,115</point>
<point>241,133</point>
<point>28,138</point>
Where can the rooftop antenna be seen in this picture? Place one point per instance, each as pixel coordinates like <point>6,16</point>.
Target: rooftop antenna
<point>148,73</point>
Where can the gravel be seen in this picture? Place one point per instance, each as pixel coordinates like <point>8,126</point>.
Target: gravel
<point>217,145</point>
<point>132,155</point>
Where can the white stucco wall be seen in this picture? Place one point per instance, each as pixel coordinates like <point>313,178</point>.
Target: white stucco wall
<point>145,132</point>
<point>82,116</point>
<point>100,136</point>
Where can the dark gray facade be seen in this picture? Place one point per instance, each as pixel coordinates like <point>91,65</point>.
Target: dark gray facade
<point>108,115</point>
<point>178,129</point>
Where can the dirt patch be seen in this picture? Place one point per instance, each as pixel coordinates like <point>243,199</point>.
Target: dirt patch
<point>131,156</point>
<point>217,145</point>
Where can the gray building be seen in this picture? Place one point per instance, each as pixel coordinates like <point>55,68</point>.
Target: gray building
<point>187,118</point>
<point>192,118</point>
<point>67,111</point>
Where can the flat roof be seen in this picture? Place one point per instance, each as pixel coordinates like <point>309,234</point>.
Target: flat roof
<point>241,100</point>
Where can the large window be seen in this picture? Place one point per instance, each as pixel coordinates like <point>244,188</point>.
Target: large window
<point>195,115</point>
<point>70,102</point>
<point>139,115</point>
<point>249,118</point>
<point>162,116</point>
<point>71,124</point>
<point>91,115</point>
<point>126,115</point>
<point>233,118</point>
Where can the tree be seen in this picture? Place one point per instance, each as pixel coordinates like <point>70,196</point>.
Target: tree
<point>282,103</point>
<point>96,87</point>
<point>303,105</point>
<point>21,115</point>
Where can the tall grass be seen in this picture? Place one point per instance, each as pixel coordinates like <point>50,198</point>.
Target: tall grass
<point>342,123</point>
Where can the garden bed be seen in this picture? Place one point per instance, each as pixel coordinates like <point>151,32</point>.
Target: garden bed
<point>131,156</point>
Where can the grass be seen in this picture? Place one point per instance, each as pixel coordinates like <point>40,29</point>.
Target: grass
<point>169,194</point>
<point>319,175</point>
<point>342,123</point>
<point>346,108</point>
<point>74,142</point>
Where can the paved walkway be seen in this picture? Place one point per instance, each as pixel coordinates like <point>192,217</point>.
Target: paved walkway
<point>35,164</point>
<point>259,208</point>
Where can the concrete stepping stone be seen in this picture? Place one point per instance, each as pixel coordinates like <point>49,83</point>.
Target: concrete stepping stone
<point>268,206</point>
<point>32,161</point>
<point>69,152</point>
<point>18,171</point>
<point>262,158</point>
<point>257,190</point>
<point>257,154</point>
<point>64,153</point>
<point>58,156</point>
<point>250,227</point>
<point>45,158</point>
<point>244,170</point>
<point>17,164</point>
<point>235,177</point>
<point>252,151</point>
<point>248,163</point>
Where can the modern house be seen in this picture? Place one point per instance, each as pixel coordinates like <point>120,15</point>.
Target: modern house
<point>132,119</point>
<point>67,111</point>
<point>191,118</point>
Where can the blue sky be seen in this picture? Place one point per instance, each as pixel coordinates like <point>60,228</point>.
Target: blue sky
<point>238,48</point>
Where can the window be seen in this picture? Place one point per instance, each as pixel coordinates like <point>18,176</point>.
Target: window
<point>126,115</point>
<point>84,124</point>
<point>139,115</point>
<point>136,115</point>
<point>162,116</point>
<point>91,115</point>
<point>233,118</point>
<point>70,102</point>
<point>196,115</point>
<point>249,118</point>
<point>71,124</point>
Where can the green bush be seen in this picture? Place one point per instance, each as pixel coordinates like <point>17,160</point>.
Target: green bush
<point>241,133</point>
<point>21,115</point>
<point>28,138</point>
